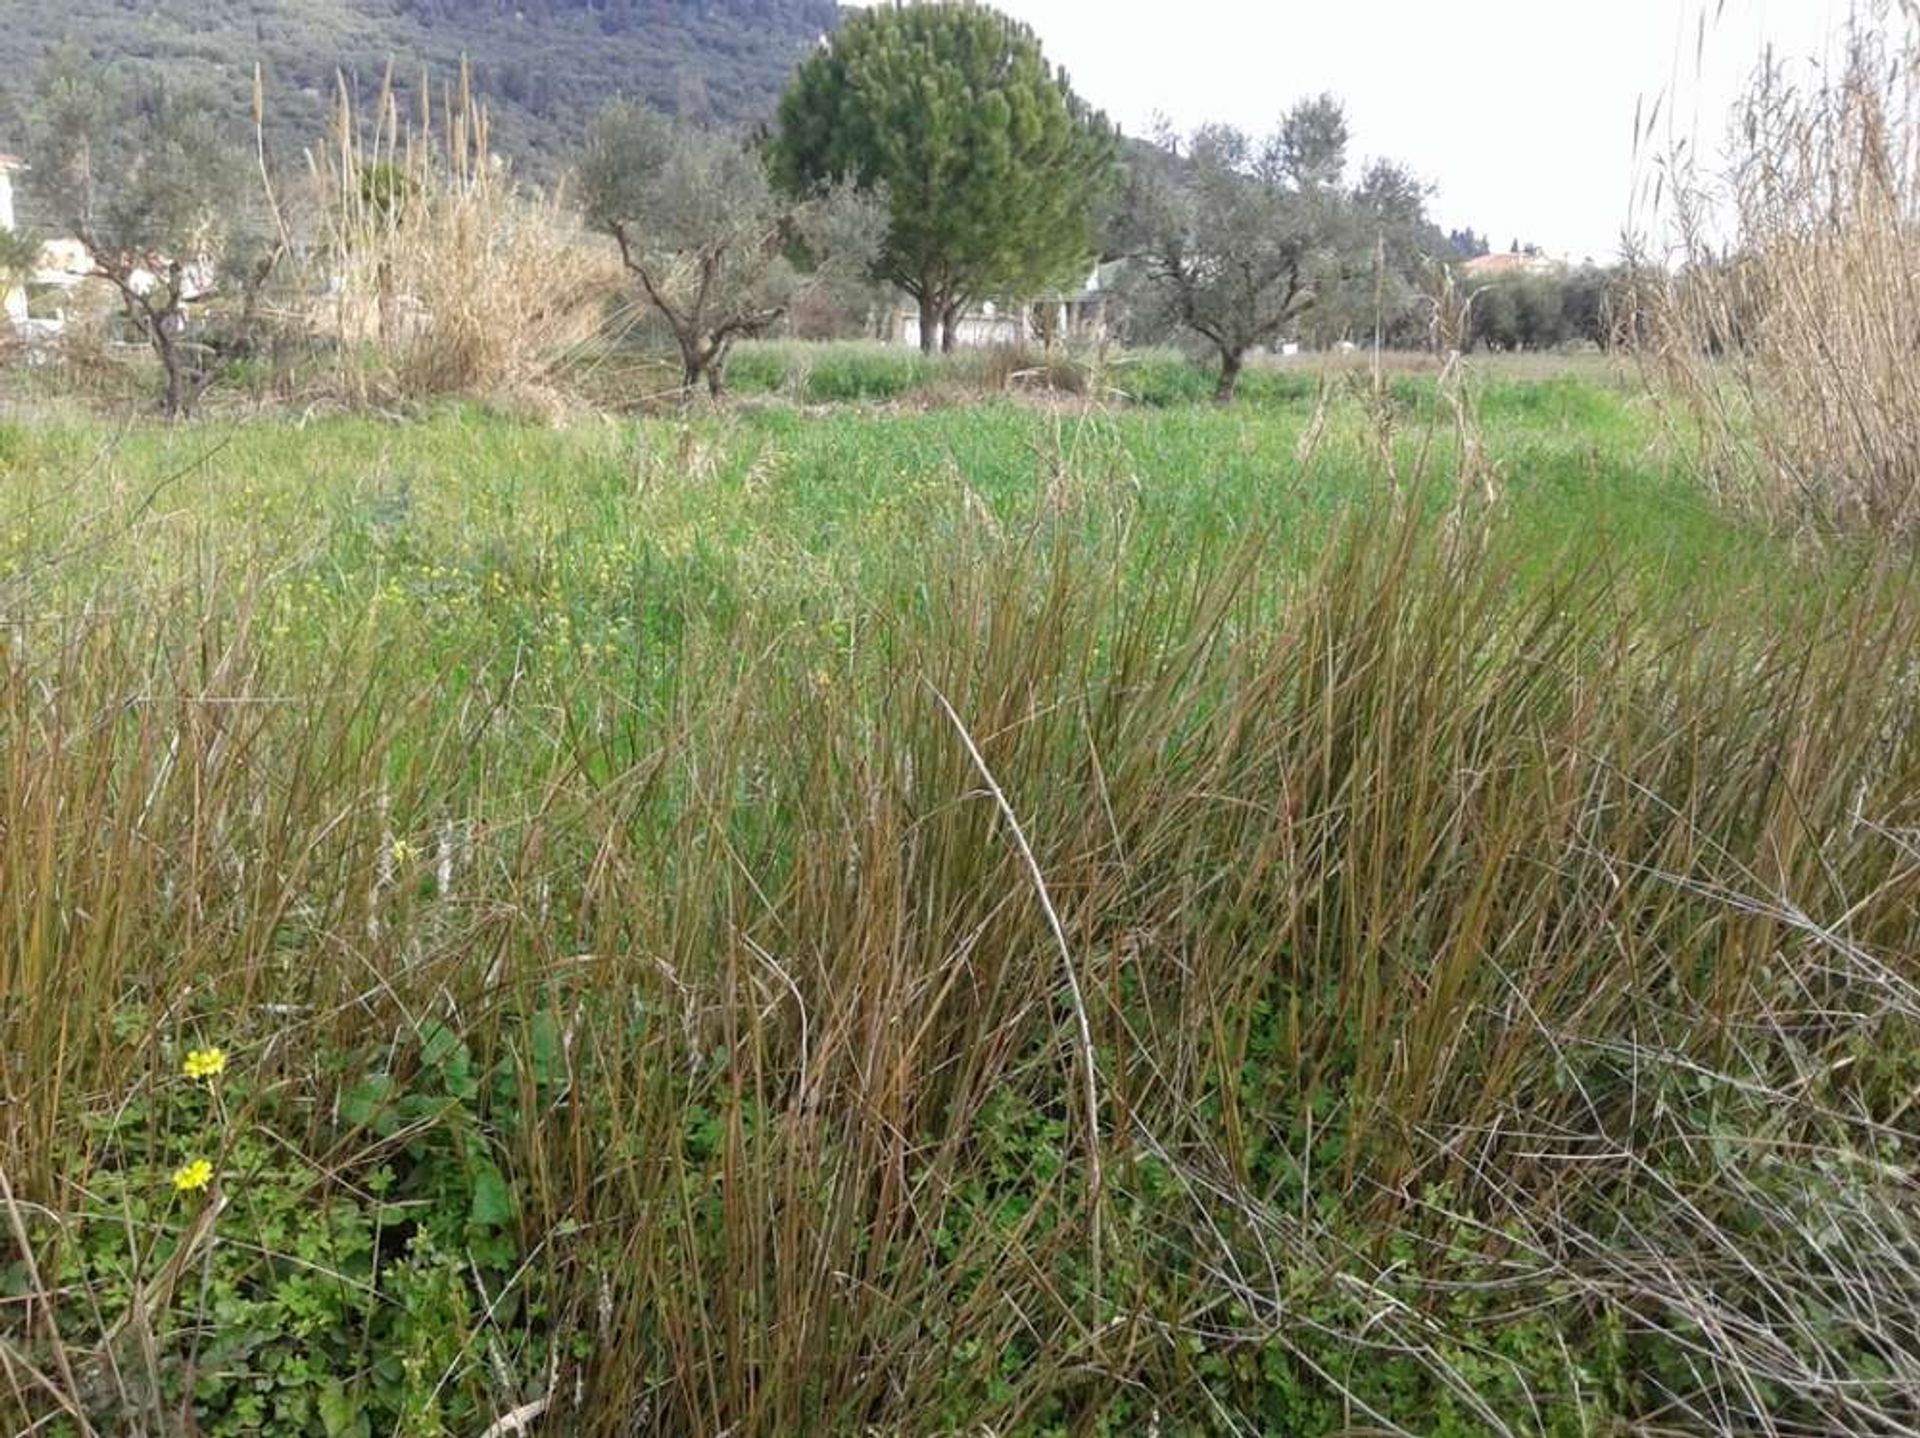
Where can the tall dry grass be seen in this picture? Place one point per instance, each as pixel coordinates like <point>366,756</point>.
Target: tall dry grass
<point>1781,312</point>
<point>442,274</point>
<point>1193,996</point>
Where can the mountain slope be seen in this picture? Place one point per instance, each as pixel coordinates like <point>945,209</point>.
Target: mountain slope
<point>543,66</point>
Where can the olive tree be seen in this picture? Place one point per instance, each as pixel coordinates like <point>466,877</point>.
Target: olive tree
<point>1233,244</point>
<point>151,188</point>
<point>1372,288</point>
<point>1311,146</point>
<point>19,254</point>
<point>705,235</point>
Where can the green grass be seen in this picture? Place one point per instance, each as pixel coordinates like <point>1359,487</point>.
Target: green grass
<point>867,371</point>
<point>1490,928</point>
<point>781,489</point>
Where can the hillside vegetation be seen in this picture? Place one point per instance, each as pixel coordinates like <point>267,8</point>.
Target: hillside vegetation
<point>543,66</point>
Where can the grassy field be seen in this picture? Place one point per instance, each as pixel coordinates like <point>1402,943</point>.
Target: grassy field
<point>975,918</point>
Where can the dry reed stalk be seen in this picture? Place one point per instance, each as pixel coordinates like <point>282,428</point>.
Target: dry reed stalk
<point>1448,943</point>
<point>1782,317</point>
<point>445,276</point>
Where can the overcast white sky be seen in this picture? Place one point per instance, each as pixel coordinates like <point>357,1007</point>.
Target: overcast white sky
<point>1520,111</point>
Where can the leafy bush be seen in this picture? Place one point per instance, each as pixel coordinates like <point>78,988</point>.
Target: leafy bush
<point>758,369</point>
<point>267,1291</point>
<point>1163,378</point>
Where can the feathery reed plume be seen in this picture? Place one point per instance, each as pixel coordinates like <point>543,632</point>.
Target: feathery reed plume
<point>444,274</point>
<point>1781,315</point>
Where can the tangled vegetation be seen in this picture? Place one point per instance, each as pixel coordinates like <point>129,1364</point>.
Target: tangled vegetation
<point>982,921</point>
<point>1786,343</point>
<point>962,894</point>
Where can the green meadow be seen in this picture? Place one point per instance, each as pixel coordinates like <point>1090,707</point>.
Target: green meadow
<point>870,911</point>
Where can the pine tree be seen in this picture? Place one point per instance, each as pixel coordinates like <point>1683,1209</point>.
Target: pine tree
<point>994,169</point>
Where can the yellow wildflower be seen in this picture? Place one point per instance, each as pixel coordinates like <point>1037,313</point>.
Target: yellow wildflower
<point>205,1063</point>
<point>403,853</point>
<point>192,1177</point>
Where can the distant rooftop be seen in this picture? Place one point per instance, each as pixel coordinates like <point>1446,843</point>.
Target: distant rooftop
<point>1510,264</point>
<point>11,162</point>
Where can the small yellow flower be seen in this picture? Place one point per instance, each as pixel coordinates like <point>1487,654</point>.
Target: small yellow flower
<point>192,1177</point>
<point>402,853</point>
<point>205,1063</point>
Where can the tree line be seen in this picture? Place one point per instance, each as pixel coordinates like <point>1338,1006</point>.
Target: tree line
<point>929,149</point>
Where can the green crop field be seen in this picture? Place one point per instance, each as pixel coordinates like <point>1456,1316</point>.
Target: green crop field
<point>1334,915</point>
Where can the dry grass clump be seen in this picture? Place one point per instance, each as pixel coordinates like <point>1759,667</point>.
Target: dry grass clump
<point>1785,320</point>
<point>1092,985</point>
<point>1023,367</point>
<point>443,275</point>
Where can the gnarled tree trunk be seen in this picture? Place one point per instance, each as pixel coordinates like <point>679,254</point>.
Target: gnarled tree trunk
<point>717,369</point>
<point>1231,363</point>
<point>166,326</point>
<point>179,396</point>
<point>693,360</point>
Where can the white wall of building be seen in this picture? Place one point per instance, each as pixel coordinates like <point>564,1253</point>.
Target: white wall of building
<point>13,299</point>
<point>973,331</point>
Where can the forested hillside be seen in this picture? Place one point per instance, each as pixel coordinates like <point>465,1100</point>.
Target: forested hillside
<point>543,65</point>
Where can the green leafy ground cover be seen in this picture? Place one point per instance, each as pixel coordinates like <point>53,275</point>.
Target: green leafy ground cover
<point>1464,981</point>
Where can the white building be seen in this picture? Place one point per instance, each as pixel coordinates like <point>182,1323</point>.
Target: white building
<point>14,296</point>
<point>1081,314</point>
<point>9,165</point>
<point>1505,266</point>
<point>62,267</point>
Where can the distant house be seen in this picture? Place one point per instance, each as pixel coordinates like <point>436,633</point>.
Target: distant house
<point>15,295</point>
<point>1083,315</point>
<point>39,307</point>
<point>10,165</point>
<point>37,304</point>
<point>1508,266</point>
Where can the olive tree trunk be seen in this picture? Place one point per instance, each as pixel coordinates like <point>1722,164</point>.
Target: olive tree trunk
<point>1231,363</point>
